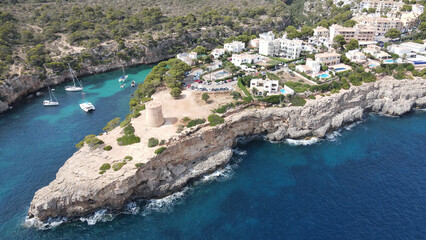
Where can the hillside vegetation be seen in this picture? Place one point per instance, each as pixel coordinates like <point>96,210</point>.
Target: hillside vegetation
<point>40,37</point>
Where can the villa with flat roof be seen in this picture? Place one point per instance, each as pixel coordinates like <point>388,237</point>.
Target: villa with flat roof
<point>238,59</point>
<point>234,47</point>
<point>188,58</point>
<point>267,85</point>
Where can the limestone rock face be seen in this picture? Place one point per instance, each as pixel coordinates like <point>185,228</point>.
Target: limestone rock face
<point>76,191</point>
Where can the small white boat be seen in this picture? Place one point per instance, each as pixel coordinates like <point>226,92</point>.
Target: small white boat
<point>133,84</point>
<point>122,85</point>
<point>74,87</point>
<point>123,77</point>
<point>53,101</point>
<point>85,105</point>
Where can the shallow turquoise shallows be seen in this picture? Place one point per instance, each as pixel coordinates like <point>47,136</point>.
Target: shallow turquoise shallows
<point>366,181</point>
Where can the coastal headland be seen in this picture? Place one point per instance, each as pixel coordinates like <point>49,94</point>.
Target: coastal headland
<point>80,189</point>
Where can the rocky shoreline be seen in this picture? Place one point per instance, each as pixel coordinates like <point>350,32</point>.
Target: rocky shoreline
<point>77,191</point>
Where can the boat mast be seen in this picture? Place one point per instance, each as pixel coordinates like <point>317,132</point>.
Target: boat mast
<point>72,74</point>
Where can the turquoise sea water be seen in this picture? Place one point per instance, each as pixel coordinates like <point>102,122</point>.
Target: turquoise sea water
<point>364,182</point>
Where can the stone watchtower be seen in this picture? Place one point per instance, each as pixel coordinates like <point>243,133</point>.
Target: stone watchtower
<point>154,114</point>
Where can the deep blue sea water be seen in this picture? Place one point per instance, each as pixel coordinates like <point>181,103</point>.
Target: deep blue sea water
<point>364,182</point>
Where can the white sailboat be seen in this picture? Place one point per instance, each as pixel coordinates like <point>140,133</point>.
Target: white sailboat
<point>123,77</point>
<point>53,101</point>
<point>85,105</point>
<point>74,87</point>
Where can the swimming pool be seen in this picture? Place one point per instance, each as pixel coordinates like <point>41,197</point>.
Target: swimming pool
<point>389,61</point>
<point>283,91</point>
<point>324,75</point>
<point>372,65</point>
<point>340,69</point>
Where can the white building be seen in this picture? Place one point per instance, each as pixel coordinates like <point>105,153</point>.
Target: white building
<point>254,43</point>
<point>268,86</point>
<point>381,6</point>
<point>267,36</point>
<point>311,67</point>
<point>287,48</point>
<point>415,47</point>
<point>290,49</point>
<point>218,52</point>
<point>356,56</point>
<point>235,46</point>
<point>417,9</point>
<point>188,58</point>
<point>376,52</point>
<point>245,58</point>
<point>402,51</point>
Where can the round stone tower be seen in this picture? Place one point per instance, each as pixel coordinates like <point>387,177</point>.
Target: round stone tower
<point>154,114</point>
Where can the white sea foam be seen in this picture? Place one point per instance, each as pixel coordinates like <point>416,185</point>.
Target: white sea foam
<point>352,125</point>
<point>131,208</point>
<point>99,216</point>
<point>220,175</point>
<point>333,136</point>
<point>239,152</point>
<point>49,224</point>
<point>164,204</point>
<point>303,142</point>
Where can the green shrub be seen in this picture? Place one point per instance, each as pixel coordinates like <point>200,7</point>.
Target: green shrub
<point>105,166</point>
<point>79,144</point>
<point>102,172</point>
<point>235,95</point>
<point>108,148</point>
<point>152,142</point>
<point>274,99</point>
<point>186,119</point>
<point>205,97</point>
<point>94,142</point>
<point>195,122</point>
<point>215,119</point>
<point>139,165</point>
<point>224,108</point>
<point>129,129</point>
<point>128,158</point>
<point>112,124</point>
<point>160,150</point>
<point>162,142</point>
<point>118,166</point>
<point>311,97</point>
<point>124,123</point>
<point>128,140</point>
<point>180,128</point>
<point>297,101</point>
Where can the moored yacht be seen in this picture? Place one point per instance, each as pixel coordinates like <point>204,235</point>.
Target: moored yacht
<point>74,87</point>
<point>53,101</point>
<point>85,105</point>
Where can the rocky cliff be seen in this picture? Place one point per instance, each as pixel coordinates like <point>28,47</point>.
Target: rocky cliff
<point>76,191</point>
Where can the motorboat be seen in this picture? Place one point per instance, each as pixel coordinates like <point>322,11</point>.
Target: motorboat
<point>133,84</point>
<point>52,101</point>
<point>74,87</point>
<point>123,77</point>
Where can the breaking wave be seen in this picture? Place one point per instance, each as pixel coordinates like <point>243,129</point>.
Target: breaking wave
<point>99,216</point>
<point>165,204</point>
<point>49,224</point>
<point>304,142</point>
